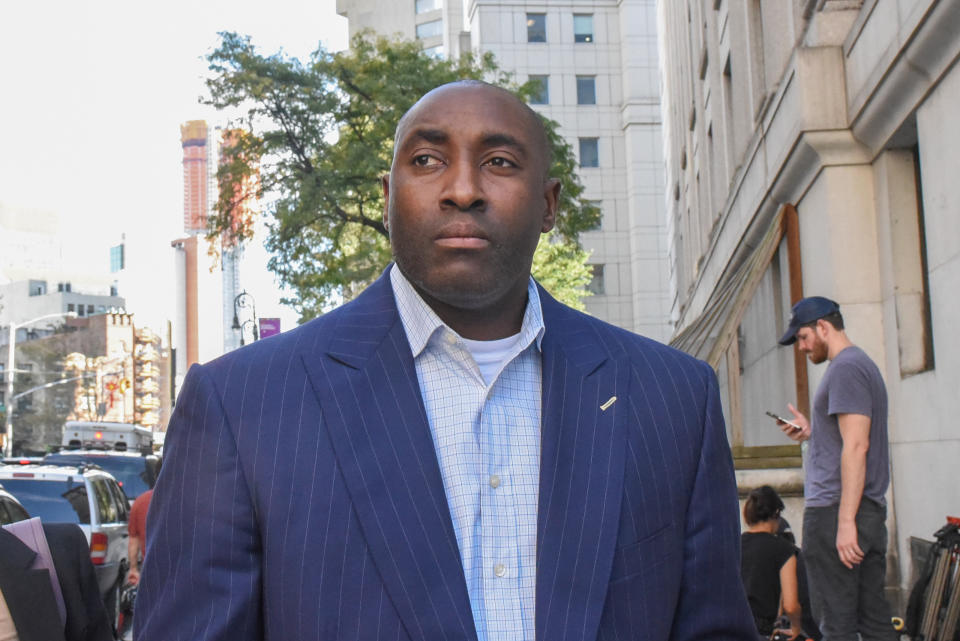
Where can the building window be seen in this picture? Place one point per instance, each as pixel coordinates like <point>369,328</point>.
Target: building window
<point>114,291</point>
<point>428,5</point>
<point>71,307</point>
<point>536,27</point>
<point>540,95</point>
<point>434,52</point>
<point>583,27</point>
<point>901,175</point>
<point>596,286</point>
<point>430,29</point>
<point>89,309</point>
<point>116,258</point>
<point>80,309</point>
<point>755,47</point>
<point>928,362</point>
<point>586,90</point>
<point>589,152</point>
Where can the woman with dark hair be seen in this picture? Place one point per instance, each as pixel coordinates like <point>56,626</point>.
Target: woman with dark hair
<point>768,563</point>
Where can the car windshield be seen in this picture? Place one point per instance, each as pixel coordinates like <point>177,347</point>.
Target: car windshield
<point>130,472</point>
<point>53,501</point>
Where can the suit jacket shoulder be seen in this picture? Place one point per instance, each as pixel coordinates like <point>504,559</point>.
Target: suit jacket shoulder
<point>582,332</point>
<point>361,322</point>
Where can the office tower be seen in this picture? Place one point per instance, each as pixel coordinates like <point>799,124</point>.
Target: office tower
<point>196,180</point>
<point>205,309</point>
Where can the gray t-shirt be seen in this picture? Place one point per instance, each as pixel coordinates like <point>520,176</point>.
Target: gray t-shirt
<point>851,385</point>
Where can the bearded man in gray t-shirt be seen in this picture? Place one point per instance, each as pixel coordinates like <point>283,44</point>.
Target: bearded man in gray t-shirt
<point>847,471</point>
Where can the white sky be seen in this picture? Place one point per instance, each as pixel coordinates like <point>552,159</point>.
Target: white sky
<point>92,95</point>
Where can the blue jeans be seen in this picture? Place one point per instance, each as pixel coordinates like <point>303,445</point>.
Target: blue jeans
<point>847,602</point>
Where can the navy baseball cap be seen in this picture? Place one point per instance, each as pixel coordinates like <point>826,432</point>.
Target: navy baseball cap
<point>806,311</point>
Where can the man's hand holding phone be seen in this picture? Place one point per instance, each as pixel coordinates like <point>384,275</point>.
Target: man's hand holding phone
<point>796,428</point>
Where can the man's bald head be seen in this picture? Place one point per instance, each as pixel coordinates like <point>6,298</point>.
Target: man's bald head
<point>537,128</point>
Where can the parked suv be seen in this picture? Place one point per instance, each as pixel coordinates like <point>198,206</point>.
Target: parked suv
<point>10,509</point>
<point>136,473</point>
<point>89,497</point>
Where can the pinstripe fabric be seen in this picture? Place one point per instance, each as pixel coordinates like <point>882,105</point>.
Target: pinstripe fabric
<point>487,439</point>
<point>301,497</point>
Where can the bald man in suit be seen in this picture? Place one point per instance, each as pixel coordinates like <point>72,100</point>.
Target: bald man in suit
<point>453,454</point>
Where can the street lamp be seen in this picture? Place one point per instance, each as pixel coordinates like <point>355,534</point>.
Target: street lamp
<point>11,354</point>
<point>243,300</point>
<point>256,334</point>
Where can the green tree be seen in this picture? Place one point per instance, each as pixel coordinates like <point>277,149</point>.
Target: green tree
<point>39,417</point>
<point>317,136</point>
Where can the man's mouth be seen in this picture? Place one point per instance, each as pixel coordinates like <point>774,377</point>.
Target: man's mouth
<point>463,242</point>
<point>462,237</point>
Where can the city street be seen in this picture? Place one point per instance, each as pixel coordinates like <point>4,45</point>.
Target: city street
<point>444,302</point>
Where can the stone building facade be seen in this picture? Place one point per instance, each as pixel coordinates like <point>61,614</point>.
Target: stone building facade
<point>811,149</point>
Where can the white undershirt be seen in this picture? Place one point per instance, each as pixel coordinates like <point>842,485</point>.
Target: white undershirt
<point>490,356</point>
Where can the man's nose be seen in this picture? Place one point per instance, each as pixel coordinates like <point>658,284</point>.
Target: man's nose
<point>462,187</point>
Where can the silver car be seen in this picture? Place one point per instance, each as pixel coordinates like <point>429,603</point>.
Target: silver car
<point>136,473</point>
<point>89,497</point>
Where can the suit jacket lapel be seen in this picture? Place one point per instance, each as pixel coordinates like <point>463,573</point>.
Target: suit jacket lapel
<point>581,475</point>
<point>28,593</point>
<point>366,382</point>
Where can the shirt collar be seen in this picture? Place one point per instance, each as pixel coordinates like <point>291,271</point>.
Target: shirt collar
<point>420,322</point>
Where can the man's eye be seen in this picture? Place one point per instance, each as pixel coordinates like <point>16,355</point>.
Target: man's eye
<point>499,161</point>
<point>425,160</point>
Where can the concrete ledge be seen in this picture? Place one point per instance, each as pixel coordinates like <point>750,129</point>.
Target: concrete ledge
<point>903,76</point>
<point>786,481</point>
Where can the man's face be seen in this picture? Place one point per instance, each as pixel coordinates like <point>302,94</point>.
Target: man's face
<point>812,344</point>
<point>467,198</point>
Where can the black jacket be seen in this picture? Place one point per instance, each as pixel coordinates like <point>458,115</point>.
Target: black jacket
<point>29,595</point>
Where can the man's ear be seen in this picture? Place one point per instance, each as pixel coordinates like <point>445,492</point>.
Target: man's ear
<point>823,328</point>
<point>385,185</point>
<point>551,196</point>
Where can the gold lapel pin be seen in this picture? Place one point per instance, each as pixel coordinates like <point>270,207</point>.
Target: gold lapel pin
<point>606,406</point>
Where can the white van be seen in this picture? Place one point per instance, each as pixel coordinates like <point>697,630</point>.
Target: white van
<point>106,435</point>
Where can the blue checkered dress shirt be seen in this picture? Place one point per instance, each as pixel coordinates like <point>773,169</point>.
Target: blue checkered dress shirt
<point>487,439</point>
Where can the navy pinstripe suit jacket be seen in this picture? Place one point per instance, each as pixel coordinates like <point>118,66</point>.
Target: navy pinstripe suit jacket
<point>301,497</point>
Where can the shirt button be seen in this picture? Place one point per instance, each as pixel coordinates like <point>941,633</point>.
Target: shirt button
<point>494,481</point>
<point>499,570</point>
<point>451,338</point>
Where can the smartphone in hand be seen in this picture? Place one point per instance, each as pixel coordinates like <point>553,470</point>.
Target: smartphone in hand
<point>792,425</point>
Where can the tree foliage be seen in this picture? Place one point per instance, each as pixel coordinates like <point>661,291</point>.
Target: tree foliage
<point>39,417</point>
<point>317,136</point>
